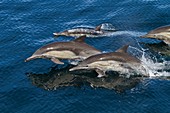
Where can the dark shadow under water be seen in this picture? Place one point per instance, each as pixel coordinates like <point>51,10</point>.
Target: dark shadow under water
<point>57,78</point>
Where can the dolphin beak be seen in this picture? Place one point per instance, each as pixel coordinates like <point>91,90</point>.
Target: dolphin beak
<point>147,36</point>
<point>31,58</point>
<point>77,68</point>
<point>144,36</point>
<point>57,34</point>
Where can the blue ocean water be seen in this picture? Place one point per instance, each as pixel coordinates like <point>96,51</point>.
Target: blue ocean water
<point>27,25</point>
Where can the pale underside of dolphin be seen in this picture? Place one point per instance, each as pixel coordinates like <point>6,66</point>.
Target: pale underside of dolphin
<point>119,61</point>
<point>72,50</point>
<point>161,33</point>
<point>100,30</point>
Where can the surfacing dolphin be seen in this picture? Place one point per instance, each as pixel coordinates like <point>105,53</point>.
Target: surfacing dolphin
<point>160,33</point>
<point>100,30</point>
<point>119,61</point>
<point>72,50</point>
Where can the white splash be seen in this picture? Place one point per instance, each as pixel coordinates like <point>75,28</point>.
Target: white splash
<point>153,67</point>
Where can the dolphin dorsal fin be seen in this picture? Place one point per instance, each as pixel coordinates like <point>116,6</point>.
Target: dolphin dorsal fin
<point>98,28</point>
<point>123,49</point>
<point>80,39</point>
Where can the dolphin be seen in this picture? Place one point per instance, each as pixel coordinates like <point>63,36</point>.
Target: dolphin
<point>100,30</point>
<point>160,48</point>
<point>119,61</point>
<point>72,50</point>
<point>160,33</point>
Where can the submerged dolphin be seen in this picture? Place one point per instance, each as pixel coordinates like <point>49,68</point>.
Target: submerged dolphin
<point>100,30</point>
<point>119,61</point>
<point>161,33</point>
<point>76,49</point>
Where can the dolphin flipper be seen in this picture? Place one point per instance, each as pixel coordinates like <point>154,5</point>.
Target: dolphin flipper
<point>55,60</point>
<point>80,39</point>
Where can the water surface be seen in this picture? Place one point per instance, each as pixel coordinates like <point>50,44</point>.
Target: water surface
<point>27,25</point>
